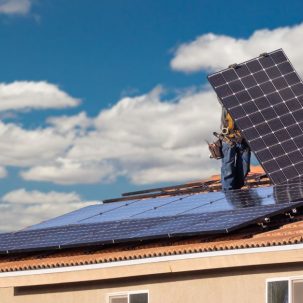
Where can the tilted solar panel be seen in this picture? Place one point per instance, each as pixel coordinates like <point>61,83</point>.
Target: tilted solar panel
<point>265,98</point>
<point>158,207</point>
<point>212,213</point>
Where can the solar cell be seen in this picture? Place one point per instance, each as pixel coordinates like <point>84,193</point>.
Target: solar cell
<point>265,98</point>
<point>197,214</point>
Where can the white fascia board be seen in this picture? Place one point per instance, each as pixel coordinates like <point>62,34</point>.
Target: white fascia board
<point>76,268</point>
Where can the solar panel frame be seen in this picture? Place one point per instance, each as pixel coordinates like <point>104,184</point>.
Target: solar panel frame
<point>138,230</point>
<point>162,207</point>
<point>271,85</point>
<point>246,209</point>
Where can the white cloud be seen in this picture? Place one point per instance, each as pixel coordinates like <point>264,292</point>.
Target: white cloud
<point>213,52</point>
<point>27,147</point>
<point>15,7</point>
<point>22,148</point>
<point>3,172</point>
<point>67,171</point>
<point>65,124</point>
<point>24,95</point>
<point>143,138</point>
<point>21,196</point>
<point>20,208</point>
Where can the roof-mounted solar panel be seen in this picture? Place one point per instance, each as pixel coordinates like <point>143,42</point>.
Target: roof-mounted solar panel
<point>211,213</point>
<point>264,96</point>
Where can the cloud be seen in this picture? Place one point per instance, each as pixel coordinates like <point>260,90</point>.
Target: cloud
<point>23,148</point>
<point>65,124</point>
<point>25,95</point>
<point>21,196</point>
<point>66,171</point>
<point>213,52</point>
<point>143,138</point>
<point>15,7</point>
<point>3,172</point>
<point>20,208</point>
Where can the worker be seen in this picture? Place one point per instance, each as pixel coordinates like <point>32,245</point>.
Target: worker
<point>236,154</point>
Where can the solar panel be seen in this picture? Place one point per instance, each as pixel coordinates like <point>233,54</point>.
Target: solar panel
<point>212,213</point>
<point>79,215</point>
<point>265,98</point>
<point>156,207</point>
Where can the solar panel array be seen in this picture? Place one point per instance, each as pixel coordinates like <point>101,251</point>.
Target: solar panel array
<point>161,206</point>
<point>265,98</point>
<point>211,213</point>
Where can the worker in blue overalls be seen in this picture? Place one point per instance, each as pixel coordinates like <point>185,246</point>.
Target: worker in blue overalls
<point>236,154</point>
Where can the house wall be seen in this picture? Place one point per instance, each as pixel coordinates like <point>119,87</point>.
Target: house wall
<point>243,285</point>
<point>238,278</point>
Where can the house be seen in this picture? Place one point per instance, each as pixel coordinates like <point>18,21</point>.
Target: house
<point>259,261</point>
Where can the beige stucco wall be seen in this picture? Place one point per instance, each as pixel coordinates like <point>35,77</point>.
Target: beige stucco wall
<point>244,286</point>
<point>216,283</point>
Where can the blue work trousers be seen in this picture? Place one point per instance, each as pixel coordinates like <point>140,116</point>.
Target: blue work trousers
<point>235,165</point>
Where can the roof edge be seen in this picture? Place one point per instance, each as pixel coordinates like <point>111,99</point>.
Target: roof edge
<point>151,260</point>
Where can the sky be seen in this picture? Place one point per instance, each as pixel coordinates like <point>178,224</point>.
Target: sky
<point>98,98</point>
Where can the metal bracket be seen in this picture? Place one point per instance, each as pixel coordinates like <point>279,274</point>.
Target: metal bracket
<point>264,55</point>
<point>263,176</point>
<point>234,66</point>
<point>291,214</point>
<point>264,223</point>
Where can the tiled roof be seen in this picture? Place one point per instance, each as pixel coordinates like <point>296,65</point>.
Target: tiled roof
<point>287,233</point>
<point>250,237</point>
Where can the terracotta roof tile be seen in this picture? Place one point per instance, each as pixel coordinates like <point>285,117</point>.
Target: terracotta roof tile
<point>254,169</point>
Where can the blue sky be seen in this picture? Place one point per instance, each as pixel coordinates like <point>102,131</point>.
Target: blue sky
<point>113,61</point>
<point>97,50</point>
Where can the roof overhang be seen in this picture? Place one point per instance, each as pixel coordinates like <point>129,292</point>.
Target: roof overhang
<point>184,263</point>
